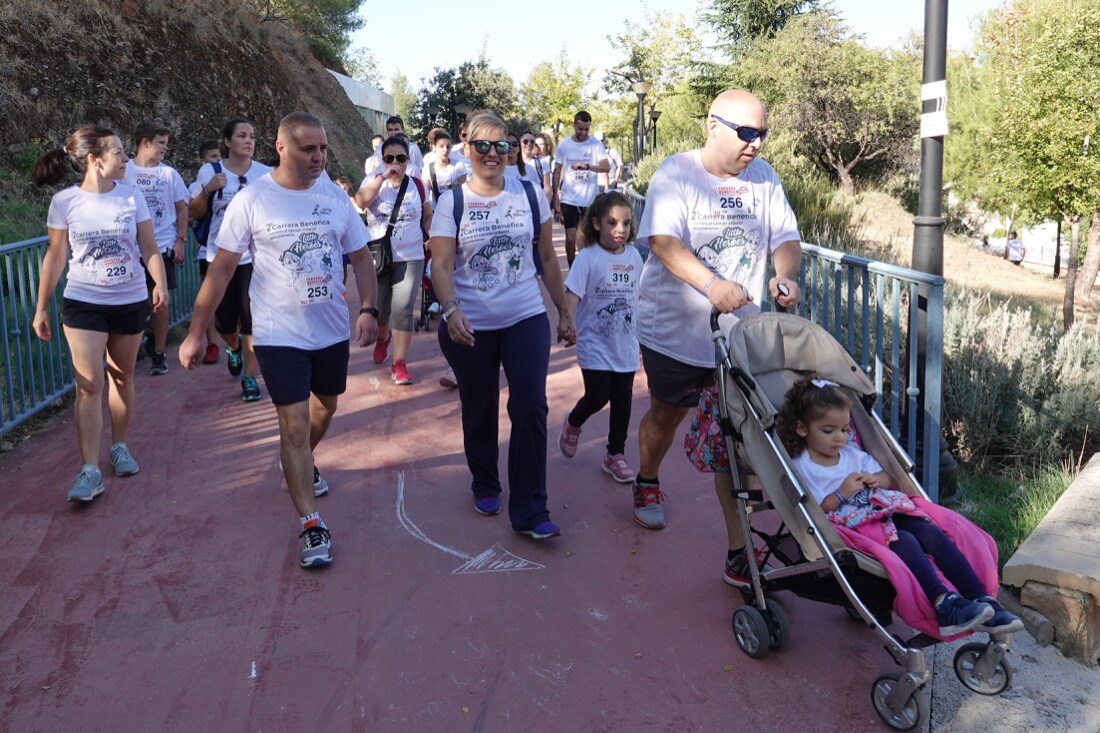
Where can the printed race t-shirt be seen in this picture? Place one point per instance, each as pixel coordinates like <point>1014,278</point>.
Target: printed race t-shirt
<point>104,260</point>
<point>607,285</point>
<point>824,480</point>
<point>579,188</point>
<point>407,240</point>
<point>296,239</point>
<point>536,169</point>
<point>444,178</point>
<point>494,269</point>
<point>162,187</point>
<point>731,224</point>
<point>222,199</point>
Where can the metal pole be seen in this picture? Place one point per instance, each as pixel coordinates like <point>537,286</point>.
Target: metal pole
<point>928,225</point>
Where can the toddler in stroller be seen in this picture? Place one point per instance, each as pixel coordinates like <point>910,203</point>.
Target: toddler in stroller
<point>833,544</point>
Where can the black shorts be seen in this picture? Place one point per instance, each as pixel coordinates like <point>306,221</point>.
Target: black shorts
<point>169,272</point>
<point>124,320</point>
<point>234,313</point>
<point>674,382</point>
<point>203,267</point>
<point>571,215</point>
<point>292,374</point>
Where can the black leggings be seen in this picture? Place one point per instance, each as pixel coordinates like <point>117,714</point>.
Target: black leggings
<point>234,313</point>
<point>601,387</point>
<point>917,538</point>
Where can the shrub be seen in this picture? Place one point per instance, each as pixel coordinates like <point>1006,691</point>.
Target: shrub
<point>1017,394</point>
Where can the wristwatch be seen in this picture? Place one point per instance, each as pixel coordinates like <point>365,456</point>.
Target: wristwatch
<point>372,311</point>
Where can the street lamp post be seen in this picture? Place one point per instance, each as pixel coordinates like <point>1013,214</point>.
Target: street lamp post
<point>641,88</point>
<point>653,115</point>
<point>929,223</point>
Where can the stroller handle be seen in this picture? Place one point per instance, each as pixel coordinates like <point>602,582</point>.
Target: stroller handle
<point>722,355</point>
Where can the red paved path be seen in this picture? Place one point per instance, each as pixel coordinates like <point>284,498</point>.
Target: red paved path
<point>174,602</point>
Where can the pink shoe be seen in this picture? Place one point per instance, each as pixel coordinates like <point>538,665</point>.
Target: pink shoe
<point>568,438</point>
<point>399,373</point>
<point>615,466</point>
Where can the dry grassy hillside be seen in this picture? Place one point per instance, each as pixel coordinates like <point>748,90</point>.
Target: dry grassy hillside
<point>881,219</point>
<point>192,63</point>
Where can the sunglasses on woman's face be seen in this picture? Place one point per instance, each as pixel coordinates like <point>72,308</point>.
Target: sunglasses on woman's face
<point>482,146</point>
<point>526,142</point>
<point>402,158</point>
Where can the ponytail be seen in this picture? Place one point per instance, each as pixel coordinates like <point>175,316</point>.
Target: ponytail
<point>53,166</point>
<point>86,140</point>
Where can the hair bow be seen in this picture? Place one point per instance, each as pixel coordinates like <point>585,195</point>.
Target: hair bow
<point>823,383</point>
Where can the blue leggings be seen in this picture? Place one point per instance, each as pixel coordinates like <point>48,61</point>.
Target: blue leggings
<point>918,538</point>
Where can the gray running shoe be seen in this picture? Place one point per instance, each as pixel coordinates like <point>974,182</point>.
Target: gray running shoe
<point>87,485</point>
<point>316,548</point>
<point>160,364</point>
<point>320,486</point>
<point>648,511</point>
<point>123,463</point>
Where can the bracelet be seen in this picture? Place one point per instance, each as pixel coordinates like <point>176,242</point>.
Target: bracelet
<point>449,302</point>
<point>448,312</point>
<point>706,288</point>
<point>840,498</point>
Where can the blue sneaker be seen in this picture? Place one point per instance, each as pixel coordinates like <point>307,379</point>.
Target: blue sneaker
<point>250,389</point>
<point>1002,622</point>
<point>489,506</point>
<point>121,460</point>
<point>320,486</point>
<point>87,485</point>
<point>316,547</point>
<point>542,531</point>
<point>956,615</point>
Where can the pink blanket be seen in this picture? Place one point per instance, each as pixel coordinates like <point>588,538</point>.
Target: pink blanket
<point>911,605</point>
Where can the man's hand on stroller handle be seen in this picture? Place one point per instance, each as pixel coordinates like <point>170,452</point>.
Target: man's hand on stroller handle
<point>727,296</point>
<point>785,292</point>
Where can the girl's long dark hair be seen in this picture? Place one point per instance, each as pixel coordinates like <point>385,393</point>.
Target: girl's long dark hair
<point>55,165</point>
<point>806,402</point>
<point>603,204</point>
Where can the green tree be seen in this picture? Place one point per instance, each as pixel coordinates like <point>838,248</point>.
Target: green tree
<point>850,108</point>
<point>362,65</point>
<point>554,92</point>
<point>739,21</point>
<point>328,24</point>
<point>404,98</point>
<point>1038,90</point>
<point>664,50</point>
<point>473,85</point>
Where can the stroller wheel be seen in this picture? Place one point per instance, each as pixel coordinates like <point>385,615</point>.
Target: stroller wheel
<point>911,715</point>
<point>967,669</point>
<point>779,627</point>
<point>751,631</point>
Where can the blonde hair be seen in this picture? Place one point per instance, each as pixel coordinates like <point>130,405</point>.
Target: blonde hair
<point>484,119</point>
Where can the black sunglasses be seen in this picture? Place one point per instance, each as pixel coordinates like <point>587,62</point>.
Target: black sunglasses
<point>744,133</point>
<point>482,146</point>
<point>526,142</point>
<point>402,158</point>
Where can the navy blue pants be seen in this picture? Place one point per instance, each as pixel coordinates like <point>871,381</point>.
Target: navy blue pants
<point>918,538</point>
<point>523,350</point>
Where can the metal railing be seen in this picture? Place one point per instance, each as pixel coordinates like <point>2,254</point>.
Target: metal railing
<point>867,307</point>
<point>35,373</point>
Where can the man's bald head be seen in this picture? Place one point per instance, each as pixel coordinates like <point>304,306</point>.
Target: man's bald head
<point>289,125</point>
<point>735,104</point>
<point>725,152</point>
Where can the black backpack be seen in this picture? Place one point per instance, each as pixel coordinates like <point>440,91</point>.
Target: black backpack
<point>532,199</point>
<point>201,227</point>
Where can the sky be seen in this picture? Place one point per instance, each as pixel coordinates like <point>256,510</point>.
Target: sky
<point>445,34</point>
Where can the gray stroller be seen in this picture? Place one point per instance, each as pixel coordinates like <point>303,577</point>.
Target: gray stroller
<point>764,355</point>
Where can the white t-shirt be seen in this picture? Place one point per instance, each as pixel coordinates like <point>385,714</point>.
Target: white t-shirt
<point>530,173</point>
<point>731,224</point>
<point>407,240</point>
<point>494,268</point>
<point>104,260</point>
<point>297,239</point>
<point>824,480</point>
<point>1015,250</point>
<point>415,167</point>
<point>579,188</point>
<point>607,285</point>
<point>533,170</point>
<point>162,187</point>
<point>444,178</point>
<point>223,197</point>
<point>616,162</point>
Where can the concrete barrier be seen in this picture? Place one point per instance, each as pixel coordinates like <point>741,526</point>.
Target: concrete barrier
<point>1058,567</point>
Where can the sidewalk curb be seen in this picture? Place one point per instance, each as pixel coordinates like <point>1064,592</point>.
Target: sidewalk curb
<point>1038,625</point>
